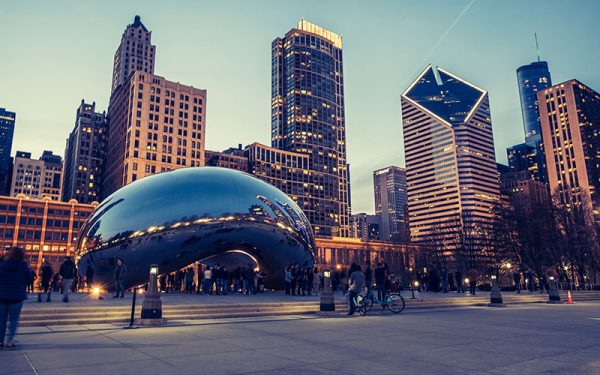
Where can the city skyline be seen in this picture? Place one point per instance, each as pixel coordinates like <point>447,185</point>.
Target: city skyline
<point>372,95</point>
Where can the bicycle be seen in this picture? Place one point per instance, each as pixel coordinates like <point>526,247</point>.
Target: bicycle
<point>360,303</point>
<point>393,301</point>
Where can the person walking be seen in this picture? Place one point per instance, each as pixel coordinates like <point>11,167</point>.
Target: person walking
<point>14,277</point>
<point>517,278</point>
<point>67,274</point>
<point>120,272</point>
<point>356,284</point>
<point>473,276</point>
<point>46,274</point>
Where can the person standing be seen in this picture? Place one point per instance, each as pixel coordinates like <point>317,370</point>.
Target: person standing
<point>356,284</point>
<point>67,274</point>
<point>517,277</point>
<point>207,281</point>
<point>189,280</point>
<point>368,274</point>
<point>459,282</point>
<point>89,277</point>
<point>288,280</point>
<point>120,272</point>
<point>380,281</point>
<point>31,284</point>
<point>473,276</point>
<point>46,274</point>
<point>14,277</point>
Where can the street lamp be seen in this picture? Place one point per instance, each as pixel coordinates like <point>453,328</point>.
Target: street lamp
<point>416,285</point>
<point>327,304</point>
<point>152,305</point>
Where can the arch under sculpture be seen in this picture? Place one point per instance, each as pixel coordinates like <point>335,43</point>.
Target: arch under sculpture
<point>176,218</point>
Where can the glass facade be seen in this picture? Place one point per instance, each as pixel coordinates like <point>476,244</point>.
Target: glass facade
<point>7,129</point>
<point>532,78</point>
<point>308,118</point>
<point>391,203</point>
<point>84,156</point>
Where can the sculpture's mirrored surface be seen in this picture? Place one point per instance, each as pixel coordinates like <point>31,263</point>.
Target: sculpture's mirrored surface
<point>176,218</point>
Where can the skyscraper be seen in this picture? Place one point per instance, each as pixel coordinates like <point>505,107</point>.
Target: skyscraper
<point>84,156</point>
<point>391,203</point>
<point>7,130</point>
<point>451,172</point>
<point>366,227</point>
<point>307,116</point>
<point>37,178</point>
<point>531,79</point>
<point>155,125</point>
<point>570,119</point>
<point>135,53</point>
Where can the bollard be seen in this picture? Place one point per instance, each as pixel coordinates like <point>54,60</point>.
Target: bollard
<point>152,305</point>
<point>327,305</point>
<point>131,326</point>
<point>496,294</point>
<point>553,293</point>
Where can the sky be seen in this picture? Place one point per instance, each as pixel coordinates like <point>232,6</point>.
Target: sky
<point>55,53</point>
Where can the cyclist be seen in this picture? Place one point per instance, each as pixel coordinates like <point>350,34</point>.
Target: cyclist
<point>357,282</point>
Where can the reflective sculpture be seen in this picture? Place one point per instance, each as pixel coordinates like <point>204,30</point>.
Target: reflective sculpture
<point>176,218</point>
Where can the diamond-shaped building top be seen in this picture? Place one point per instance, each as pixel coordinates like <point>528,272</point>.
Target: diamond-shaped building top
<point>444,95</point>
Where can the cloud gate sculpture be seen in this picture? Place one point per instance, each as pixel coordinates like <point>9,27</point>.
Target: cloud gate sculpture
<point>176,218</point>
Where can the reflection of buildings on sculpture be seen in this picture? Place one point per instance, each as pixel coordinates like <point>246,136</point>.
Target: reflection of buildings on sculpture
<point>44,228</point>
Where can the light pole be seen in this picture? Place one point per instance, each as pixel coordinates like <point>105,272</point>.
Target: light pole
<point>496,295</point>
<point>152,305</point>
<point>327,305</point>
<point>412,289</point>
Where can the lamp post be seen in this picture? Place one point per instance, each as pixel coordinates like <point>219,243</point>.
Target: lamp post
<point>496,295</point>
<point>553,293</point>
<point>152,305</point>
<point>327,305</point>
<point>412,288</point>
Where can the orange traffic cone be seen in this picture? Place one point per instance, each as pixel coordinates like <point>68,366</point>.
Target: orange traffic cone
<point>569,298</point>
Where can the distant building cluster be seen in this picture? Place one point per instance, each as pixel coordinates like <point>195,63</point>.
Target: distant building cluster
<point>450,183</point>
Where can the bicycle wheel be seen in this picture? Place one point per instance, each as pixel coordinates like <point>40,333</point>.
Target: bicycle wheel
<point>368,303</point>
<point>395,303</point>
<point>361,305</point>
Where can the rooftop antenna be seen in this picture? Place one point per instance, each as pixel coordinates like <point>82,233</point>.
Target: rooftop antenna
<point>537,47</point>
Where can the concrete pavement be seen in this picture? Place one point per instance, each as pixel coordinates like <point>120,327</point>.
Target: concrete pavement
<point>524,339</point>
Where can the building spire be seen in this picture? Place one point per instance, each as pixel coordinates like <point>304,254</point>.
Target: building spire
<point>537,47</point>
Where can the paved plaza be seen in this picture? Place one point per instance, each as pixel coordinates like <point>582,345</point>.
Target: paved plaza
<point>520,339</point>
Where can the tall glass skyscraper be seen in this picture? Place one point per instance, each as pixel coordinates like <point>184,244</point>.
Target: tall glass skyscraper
<point>451,173</point>
<point>7,130</point>
<point>307,104</point>
<point>391,203</point>
<point>532,78</point>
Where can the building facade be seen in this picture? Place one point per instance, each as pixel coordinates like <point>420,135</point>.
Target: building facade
<point>570,119</point>
<point>232,158</point>
<point>391,203</point>
<point>532,78</point>
<point>155,125</point>
<point>44,228</point>
<point>135,53</point>
<point>522,191</point>
<point>7,130</point>
<point>451,173</point>
<point>525,157</point>
<point>37,178</point>
<point>307,116</point>
<point>85,155</point>
<point>366,227</point>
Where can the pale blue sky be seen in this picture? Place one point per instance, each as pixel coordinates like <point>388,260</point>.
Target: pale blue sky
<point>54,53</point>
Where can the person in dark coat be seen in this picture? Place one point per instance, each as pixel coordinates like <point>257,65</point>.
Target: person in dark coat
<point>120,272</point>
<point>67,274</point>
<point>14,277</point>
<point>89,277</point>
<point>46,274</point>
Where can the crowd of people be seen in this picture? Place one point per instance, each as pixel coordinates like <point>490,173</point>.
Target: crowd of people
<point>213,280</point>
